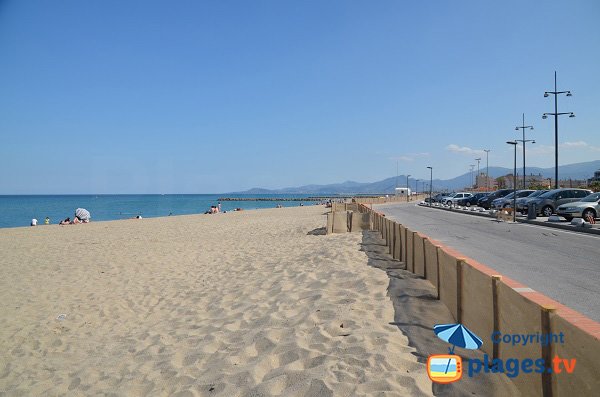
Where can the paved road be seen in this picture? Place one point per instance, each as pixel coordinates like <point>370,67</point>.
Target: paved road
<point>560,264</point>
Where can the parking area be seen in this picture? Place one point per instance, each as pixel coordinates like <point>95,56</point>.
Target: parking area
<point>554,221</point>
<point>561,264</point>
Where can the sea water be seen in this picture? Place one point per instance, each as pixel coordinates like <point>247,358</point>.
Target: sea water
<point>19,210</point>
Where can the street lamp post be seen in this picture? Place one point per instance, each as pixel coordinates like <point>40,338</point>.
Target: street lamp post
<point>487,169</point>
<point>524,141</point>
<point>514,143</point>
<point>407,189</point>
<point>556,93</point>
<point>430,183</point>
<point>396,175</point>
<point>477,176</point>
<point>472,168</point>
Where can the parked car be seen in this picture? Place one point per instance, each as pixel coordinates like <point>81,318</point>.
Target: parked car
<point>587,206</point>
<point>437,198</point>
<point>469,201</point>
<point>507,201</point>
<point>521,202</point>
<point>547,203</point>
<point>458,196</point>
<point>445,200</point>
<point>486,202</point>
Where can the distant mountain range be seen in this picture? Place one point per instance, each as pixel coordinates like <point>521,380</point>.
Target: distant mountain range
<point>574,171</point>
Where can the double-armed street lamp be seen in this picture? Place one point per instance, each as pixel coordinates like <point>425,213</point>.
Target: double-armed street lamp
<point>430,183</point>
<point>524,141</point>
<point>556,113</point>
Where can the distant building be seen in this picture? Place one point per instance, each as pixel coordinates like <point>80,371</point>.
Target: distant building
<point>403,191</point>
<point>482,182</point>
<point>538,181</point>
<point>595,178</point>
<point>576,183</point>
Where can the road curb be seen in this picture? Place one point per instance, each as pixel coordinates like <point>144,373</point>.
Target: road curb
<point>529,221</point>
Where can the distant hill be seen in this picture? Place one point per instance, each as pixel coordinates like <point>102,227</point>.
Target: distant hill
<point>574,171</point>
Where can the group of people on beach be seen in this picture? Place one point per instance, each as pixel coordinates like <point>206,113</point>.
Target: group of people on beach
<point>75,221</point>
<point>81,216</point>
<point>214,209</point>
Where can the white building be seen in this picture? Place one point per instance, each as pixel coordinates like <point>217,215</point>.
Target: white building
<point>402,191</point>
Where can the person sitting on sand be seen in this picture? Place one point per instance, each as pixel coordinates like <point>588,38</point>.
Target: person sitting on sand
<point>66,221</point>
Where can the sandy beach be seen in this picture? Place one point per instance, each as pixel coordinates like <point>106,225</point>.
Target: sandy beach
<point>249,303</point>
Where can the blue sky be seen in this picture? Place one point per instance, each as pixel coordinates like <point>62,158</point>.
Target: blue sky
<point>201,97</point>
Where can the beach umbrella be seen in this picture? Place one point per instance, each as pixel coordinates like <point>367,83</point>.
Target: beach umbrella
<point>457,335</point>
<point>82,214</point>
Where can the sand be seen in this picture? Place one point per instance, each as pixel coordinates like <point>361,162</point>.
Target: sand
<point>250,303</point>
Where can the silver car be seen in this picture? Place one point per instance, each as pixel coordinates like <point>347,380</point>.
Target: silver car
<point>547,203</point>
<point>458,196</point>
<point>507,201</point>
<point>588,206</point>
<point>522,202</point>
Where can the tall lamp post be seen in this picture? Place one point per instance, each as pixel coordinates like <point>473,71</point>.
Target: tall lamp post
<point>477,176</point>
<point>524,141</point>
<point>430,183</point>
<point>396,176</point>
<point>472,168</point>
<point>487,169</point>
<point>514,143</point>
<point>407,189</point>
<point>556,93</point>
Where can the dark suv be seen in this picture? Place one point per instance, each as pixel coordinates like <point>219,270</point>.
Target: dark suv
<point>469,201</point>
<point>548,202</point>
<point>486,202</point>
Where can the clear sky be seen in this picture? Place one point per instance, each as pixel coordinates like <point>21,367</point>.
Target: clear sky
<point>207,97</point>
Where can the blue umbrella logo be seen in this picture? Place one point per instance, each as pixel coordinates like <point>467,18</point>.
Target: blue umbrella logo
<point>457,335</point>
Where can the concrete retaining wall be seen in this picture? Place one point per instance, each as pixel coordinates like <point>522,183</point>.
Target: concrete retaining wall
<point>448,293</point>
<point>517,315</point>
<point>431,262</point>
<point>360,221</point>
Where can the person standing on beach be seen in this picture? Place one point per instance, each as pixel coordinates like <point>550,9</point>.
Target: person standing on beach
<point>47,221</point>
<point>219,207</point>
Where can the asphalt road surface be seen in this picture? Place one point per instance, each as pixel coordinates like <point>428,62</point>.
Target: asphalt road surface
<point>563,265</point>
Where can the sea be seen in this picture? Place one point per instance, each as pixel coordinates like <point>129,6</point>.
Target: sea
<point>16,211</point>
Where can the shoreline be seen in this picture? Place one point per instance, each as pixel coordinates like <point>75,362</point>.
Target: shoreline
<point>41,224</point>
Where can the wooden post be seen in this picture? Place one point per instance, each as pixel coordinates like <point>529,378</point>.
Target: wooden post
<point>391,238</point>
<point>547,351</point>
<point>412,251</point>
<point>424,259</point>
<point>459,283</point>
<point>496,279</point>
<point>437,261</point>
